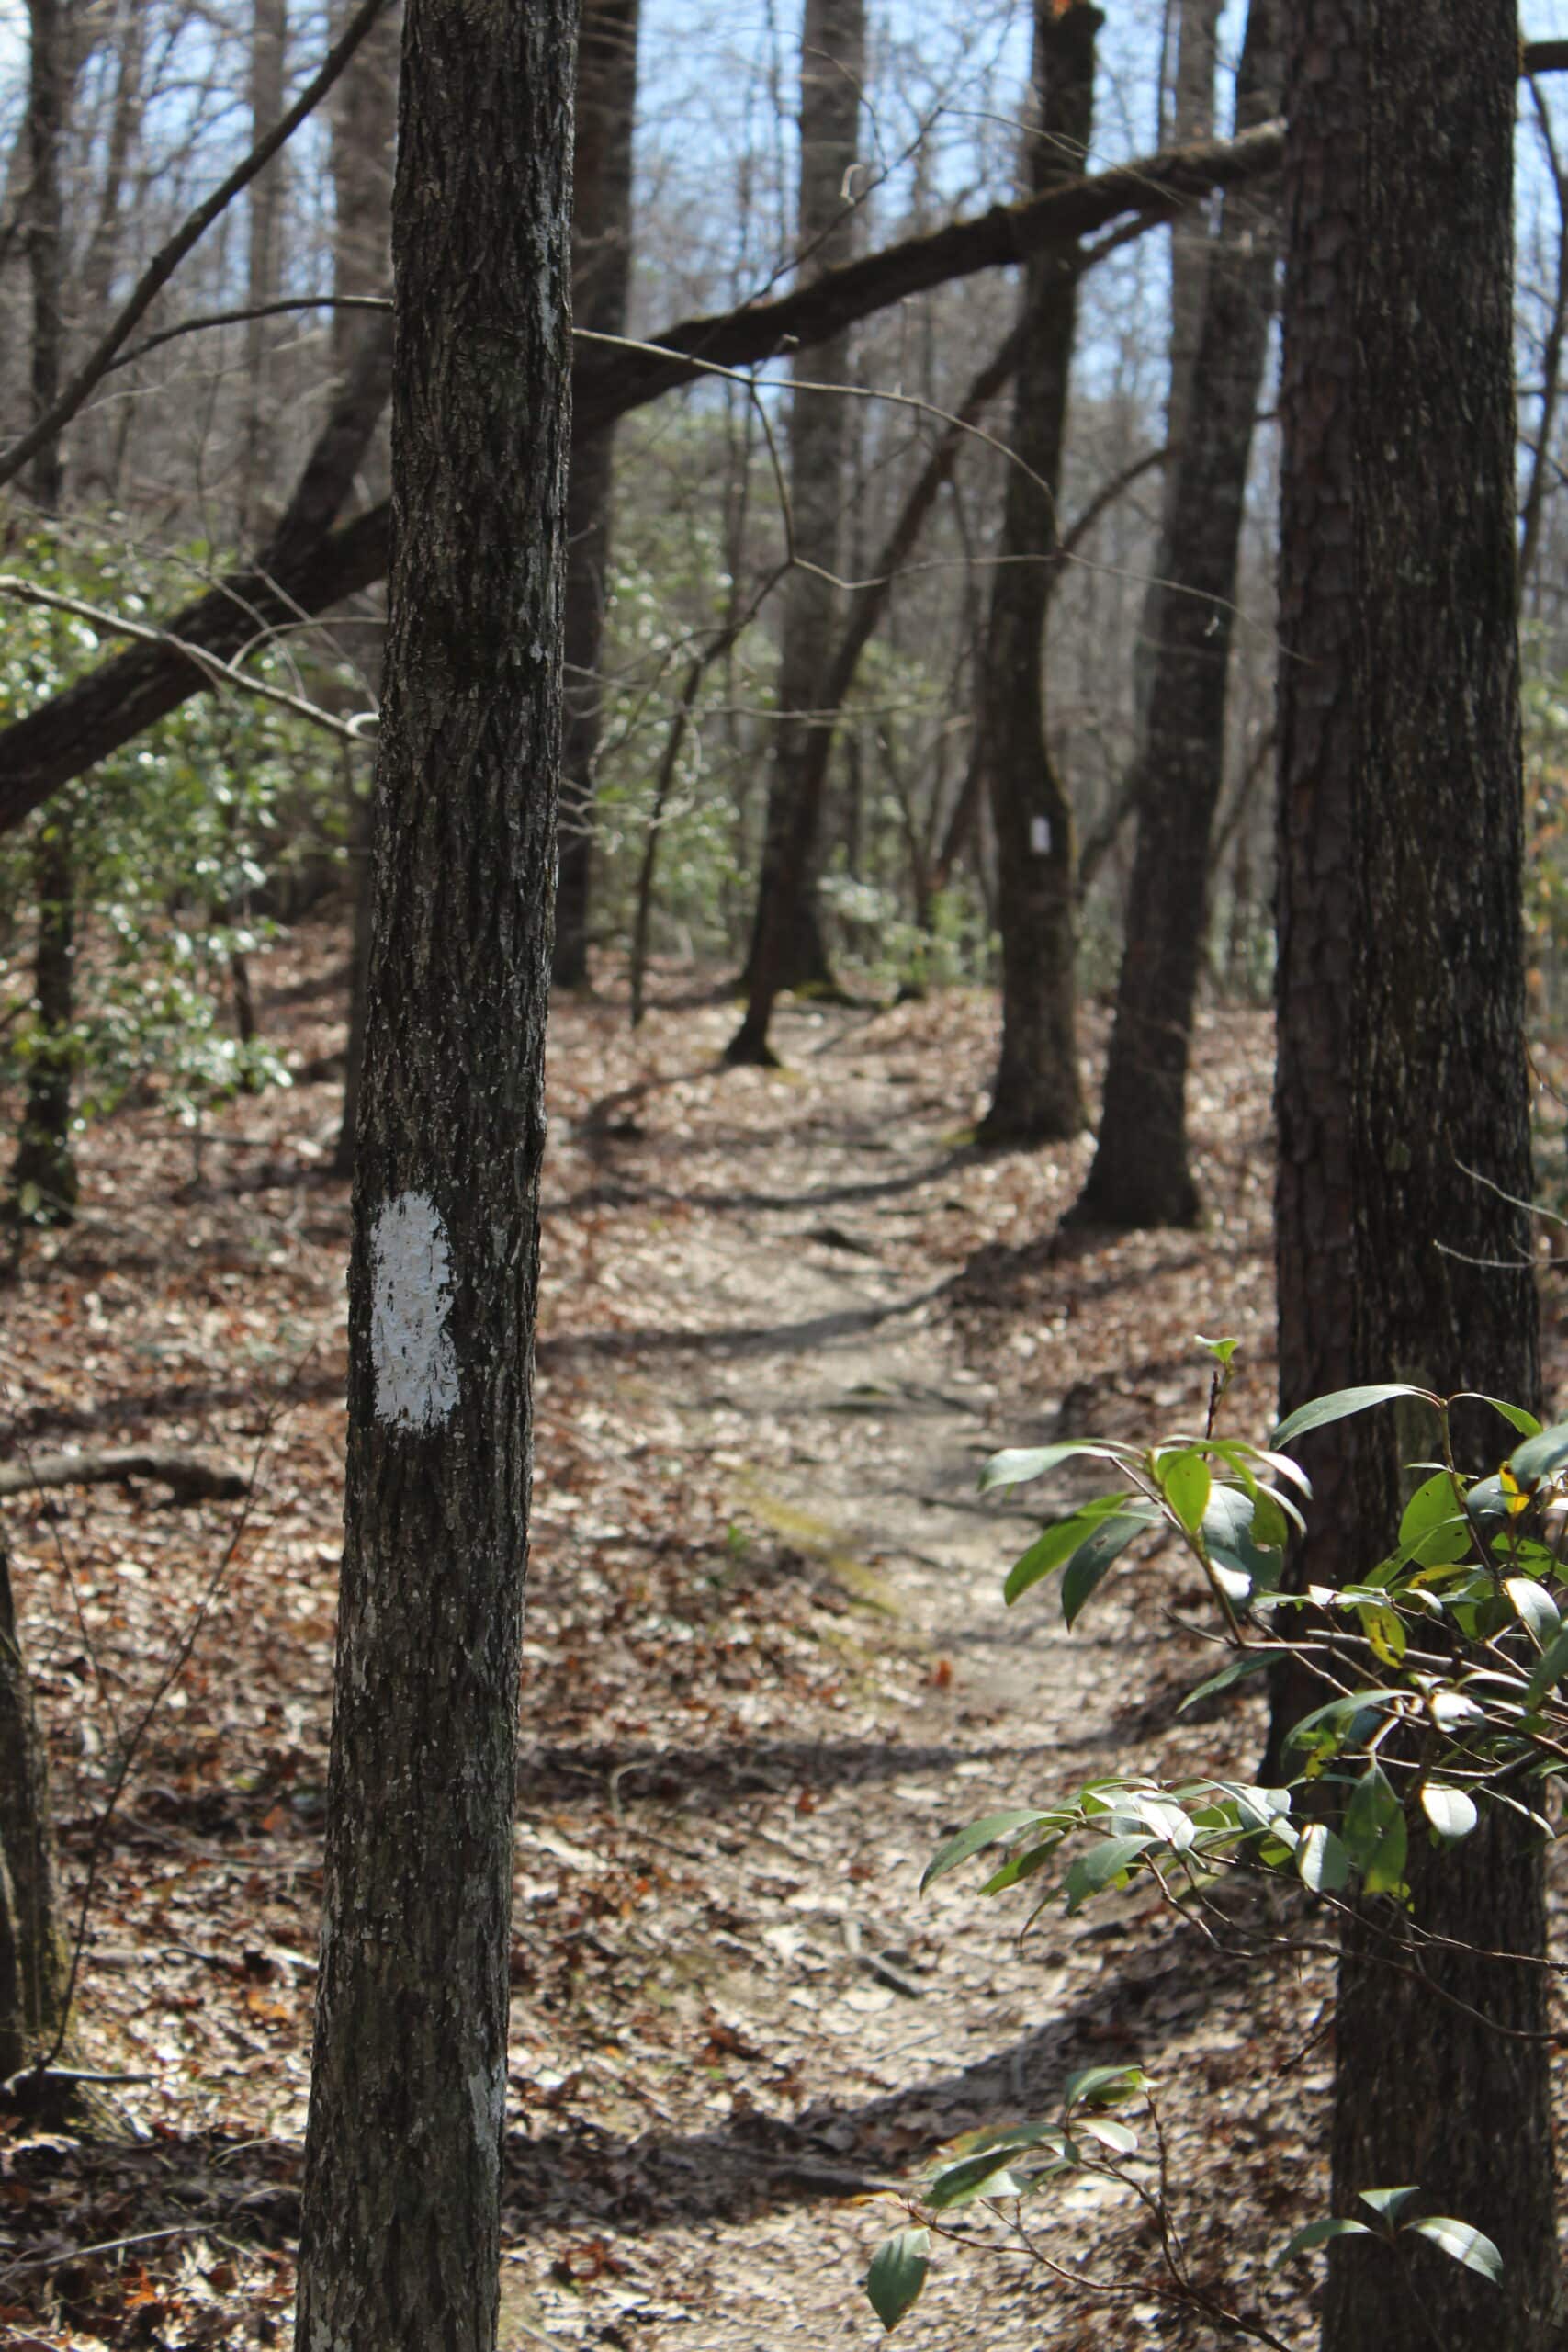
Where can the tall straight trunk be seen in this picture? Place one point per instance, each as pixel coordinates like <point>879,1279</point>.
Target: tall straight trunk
<point>42,1187</point>
<point>1141,1174</point>
<point>1401,1057</point>
<point>400,2228</point>
<point>1036,1094</point>
<point>787,950</point>
<point>364,138</point>
<point>269,59</point>
<point>601,280</point>
<point>35,1968</point>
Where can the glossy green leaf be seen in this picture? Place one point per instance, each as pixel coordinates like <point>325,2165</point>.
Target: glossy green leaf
<point>1514,1415</point>
<point>1221,1350</point>
<point>1184,1480</point>
<point>985,2174</point>
<point>1540,1456</point>
<point>1235,1670</point>
<point>1319,2233</point>
<point>1057,1544</point>
<point>1096,1556</point>
<point>1450,1810</point>
<point>1374,1832</point>
<point>1322,1861</point>
<point>1462,2243</point>
<point>1093,1871</point>
<point>1102,2085</point>
<point>1338,1406</point>
<point>1018,1464</point>
<point>978,1834</point>
<point>1549,1669</point>
<point>898,2273</point>
<point>1432,1531</point>
<point>1534,1607</point>
<point>1386,2203</point>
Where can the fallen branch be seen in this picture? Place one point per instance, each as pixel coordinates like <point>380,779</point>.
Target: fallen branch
<point>185,1475</point>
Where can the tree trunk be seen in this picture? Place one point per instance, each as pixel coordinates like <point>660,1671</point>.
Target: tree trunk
<point>402,2210</point>
<point>34,1966</point>
<point>42,1187</point>
<point>787,950</point>
<point>365,123</point>
<point>1141,1174</point>
<point>601,277</point>
<point>1036,1094</point>
<point>269,59</point>
<point>1401,1056</point>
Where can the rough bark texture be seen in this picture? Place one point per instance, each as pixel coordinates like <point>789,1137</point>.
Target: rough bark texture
<point>601,276</point>
<point>1037,1093</point>
<point>309,566</point>
<point>35,1969</point>
<point>787,950</point>
<point>269,59</point>
<point>1401,1057</point>
<point>401,2211</point>
<point>1141,1174</point>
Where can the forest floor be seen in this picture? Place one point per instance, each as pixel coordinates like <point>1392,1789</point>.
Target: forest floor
<point>785,1319</point>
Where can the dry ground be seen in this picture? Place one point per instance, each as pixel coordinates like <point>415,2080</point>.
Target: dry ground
<point>785,1318</point>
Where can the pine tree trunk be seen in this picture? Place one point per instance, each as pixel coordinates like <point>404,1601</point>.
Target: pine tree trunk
<point>1037,1093</point>
<point>787,948</point>
<point>401,2213</point>
<point>601,274</point>
<point>1401,1055</point>
<point>1141,1174</point>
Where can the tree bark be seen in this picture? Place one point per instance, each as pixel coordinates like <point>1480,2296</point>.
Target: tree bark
<point>1141,1174</point>
<point>307,567</point>
<point>34,1966</point>
<point>600,263</point>
<point>269,60</point>
<point>1037,1093</point>
<point>401,2205</point>
<point>787,947</point>
<point>1401,1055</point>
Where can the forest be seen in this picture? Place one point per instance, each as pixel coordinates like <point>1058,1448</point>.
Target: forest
<point>784,1174</point>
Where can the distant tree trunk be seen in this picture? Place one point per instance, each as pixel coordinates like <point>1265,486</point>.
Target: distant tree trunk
<point>787,951</point>
<point>269,60</point>
<point>1401,1056</point>
<point>1141,1174</point>
<point>400,2228</point>
<point>600,270</point>
<point>1036,1094</point>
<point>35,1968</point>
<point>42,1186</point>
<point>365,121</point>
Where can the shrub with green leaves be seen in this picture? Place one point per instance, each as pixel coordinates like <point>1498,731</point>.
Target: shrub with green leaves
<point>1444,1679</point>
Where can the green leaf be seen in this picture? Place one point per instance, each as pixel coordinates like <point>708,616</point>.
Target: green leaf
<point>1185,1481</point>
<point>1465,2243</point>
<point>985,2174</point>
<point>1451,1812</point>
<point>1540,1456</point>
<point>1092,1872</point>
<point>1319,2234</point>
<point>1096,1556</point>
<point>1102,2085</point>
<point>1057,1544</point>
<point>1322,1860</point>
<point>1341,1404</point>
<point>1374,1832</point>
<point>1516,1415</point>
<point>1268,1528</point>
<point>1549,1669</point>
<point>1387,2202</point>
<point>1432,1531</point>
<point>898,2273</point>
<point>1017,1464</point>
<point>1118,2137</point>
<point>1221,1350</point>
<point>984,1832</point>
<point>1233,1670</point>
<point>1534,1606</point>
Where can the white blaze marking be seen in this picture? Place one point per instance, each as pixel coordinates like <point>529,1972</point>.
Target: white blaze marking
<point>410,1298</point>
